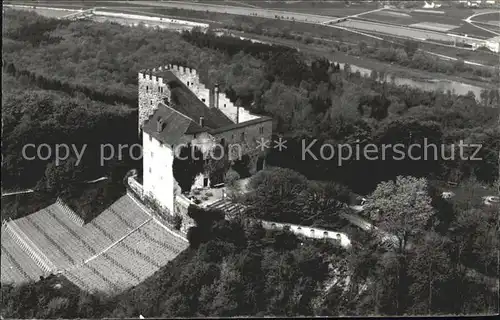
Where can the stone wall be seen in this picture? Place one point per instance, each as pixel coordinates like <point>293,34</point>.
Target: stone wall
<point>310,232</point>
<point>181,208</point>
<point>152,91</point>
<point>191,79</point>
<point>135,186</point>
<point>248,142</point>
<point>234,113</point>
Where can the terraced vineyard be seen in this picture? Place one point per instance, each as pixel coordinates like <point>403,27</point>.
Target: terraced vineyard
<point>118,249</point>
<point>130,261</point>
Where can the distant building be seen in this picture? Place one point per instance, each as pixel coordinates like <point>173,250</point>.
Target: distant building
<point>492,44</point>
<point>431,5</point>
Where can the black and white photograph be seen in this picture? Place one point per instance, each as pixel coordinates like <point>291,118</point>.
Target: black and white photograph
<point>250,158</point>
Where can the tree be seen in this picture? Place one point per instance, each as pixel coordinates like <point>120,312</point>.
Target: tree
<point>321,204</point>
<point>188,163</point>
<point>275,191</point>
<point>410,47</point>
<point>429,268</point>
<point>402,208</point>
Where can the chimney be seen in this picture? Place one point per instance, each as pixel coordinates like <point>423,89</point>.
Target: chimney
<point>211,98</point>
<point>202,121</point>
<point>216,94</point>
<point>159,125</point>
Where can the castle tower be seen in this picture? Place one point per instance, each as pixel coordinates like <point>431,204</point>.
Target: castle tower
<point>152,90</point>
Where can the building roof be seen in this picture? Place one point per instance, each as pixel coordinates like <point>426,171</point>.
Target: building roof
<point>175,125</point>
<point>186,102</point>
<point>240,125</point>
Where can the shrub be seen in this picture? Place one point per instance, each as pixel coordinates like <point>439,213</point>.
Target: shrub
<point>231,177</point>
<point>177,222</point>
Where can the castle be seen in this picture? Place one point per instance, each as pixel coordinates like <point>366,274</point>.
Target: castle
<point>175,108</point>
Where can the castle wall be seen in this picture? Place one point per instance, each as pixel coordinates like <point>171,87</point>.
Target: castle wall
<point>249,146</point>
<point>158,178</point>
<point>234,113</point>
<point>181,208</point>
<point>204,141</point>
<point>310,232</point>
<point>152,90</point>
<point>150,94</point>
<point>190,78</point>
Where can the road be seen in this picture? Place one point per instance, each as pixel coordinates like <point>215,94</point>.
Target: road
<point>471,22</point>
<point>6,194</point>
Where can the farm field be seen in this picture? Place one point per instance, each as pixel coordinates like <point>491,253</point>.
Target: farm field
<point>391,30</point>
<point>316,5</point>
<point>472,31</point>
<point>334,12</point>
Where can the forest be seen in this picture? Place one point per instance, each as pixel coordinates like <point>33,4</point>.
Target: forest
<point>76,82</point>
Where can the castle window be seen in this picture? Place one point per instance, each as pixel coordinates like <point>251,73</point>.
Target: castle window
<point>149,169</point>
<point>159,89</point>
<point>203,99</point>
<point>151,102</point>
<point>147,88</point>
<point>224,105</point>
<point>188,83</point>
<point>242,136</point>
<point>150,138</point>
<point>151,154</point>
<point>232,137</point>
<point>144,76</point>
<point>261,130</point>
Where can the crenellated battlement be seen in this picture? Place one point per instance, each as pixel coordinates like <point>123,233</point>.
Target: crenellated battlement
<point>150,79</point>
<point>179,71</point>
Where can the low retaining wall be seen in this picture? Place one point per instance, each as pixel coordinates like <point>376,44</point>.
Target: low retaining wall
<point>182,204</point>
<point>135,186</point>
<point>310,232</point>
